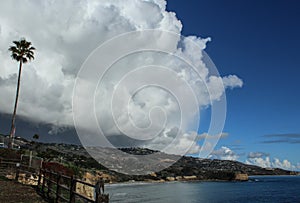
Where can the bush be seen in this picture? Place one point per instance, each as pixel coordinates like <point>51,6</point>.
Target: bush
<point>9,154</point>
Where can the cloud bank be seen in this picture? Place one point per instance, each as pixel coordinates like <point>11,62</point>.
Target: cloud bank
<point>65,33</point>
<point>263,160</point>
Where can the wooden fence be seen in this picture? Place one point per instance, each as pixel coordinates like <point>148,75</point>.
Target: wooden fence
<point>60,188</point>
<point>15,166</point>
<point>53,186</point>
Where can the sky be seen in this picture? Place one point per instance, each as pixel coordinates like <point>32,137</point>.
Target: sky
<point>259,42</point>
<point>252,44</point>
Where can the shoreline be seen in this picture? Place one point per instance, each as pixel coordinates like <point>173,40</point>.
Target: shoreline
<point>145,182</point>
<point>274,175</point>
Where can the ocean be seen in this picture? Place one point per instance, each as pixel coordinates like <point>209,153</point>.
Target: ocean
<point>257,189</point>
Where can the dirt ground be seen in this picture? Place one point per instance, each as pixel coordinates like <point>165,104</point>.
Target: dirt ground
<point>11,191</point>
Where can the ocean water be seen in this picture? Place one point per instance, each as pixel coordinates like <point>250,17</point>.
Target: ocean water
<point>258,189</point>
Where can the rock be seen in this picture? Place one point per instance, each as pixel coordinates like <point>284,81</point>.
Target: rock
<point>179,178</point>
<point>170,178</point>
<point>89,177</point>
<point>153,174</point>
<point>190,177</point>
<point>241,177</point>
<point>85,190</point>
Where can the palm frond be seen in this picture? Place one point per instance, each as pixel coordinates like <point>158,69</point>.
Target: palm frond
<point>15,56</point>
<point>17,43</point>
<point>29,56</point>
<point>24,60</point>
<point>13,49</point>
<point>22,51</point>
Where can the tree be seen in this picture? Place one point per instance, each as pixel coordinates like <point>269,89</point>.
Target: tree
<point>22,51</point>
<point>36,136</point>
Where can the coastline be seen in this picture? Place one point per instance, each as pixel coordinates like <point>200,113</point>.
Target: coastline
<point>146,182</point>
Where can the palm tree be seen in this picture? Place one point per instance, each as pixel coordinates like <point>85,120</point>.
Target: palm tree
<point>22,51</point>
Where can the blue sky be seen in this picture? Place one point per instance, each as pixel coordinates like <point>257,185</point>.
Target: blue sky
<point>259,42</point>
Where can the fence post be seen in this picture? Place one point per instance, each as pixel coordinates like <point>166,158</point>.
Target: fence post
<point>43,184</point>
<point>49,184</point>
<point>97,198</point>
<point>72,189</point>
<point>39,180</point>
<point>17,171</point>
<point>58,187</point>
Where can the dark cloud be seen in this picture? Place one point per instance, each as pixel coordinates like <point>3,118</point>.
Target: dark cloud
<point>288,135</point>
<point>290,141</point>
<point>290,138</point>
<point>27,129</point>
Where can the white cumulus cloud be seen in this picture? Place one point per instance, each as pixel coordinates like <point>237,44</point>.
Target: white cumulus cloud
<point>65,33</point>
<point>263,160</point>
<point>224,153</point>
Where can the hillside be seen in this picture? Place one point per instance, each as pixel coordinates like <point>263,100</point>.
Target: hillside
<point>186,168</point>
<point>199,169</point>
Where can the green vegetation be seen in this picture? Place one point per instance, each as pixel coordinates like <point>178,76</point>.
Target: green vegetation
<point>9,154</point>
<point>36,137</point>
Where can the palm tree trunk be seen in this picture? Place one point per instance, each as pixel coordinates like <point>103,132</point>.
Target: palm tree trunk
<point>12,129</point>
